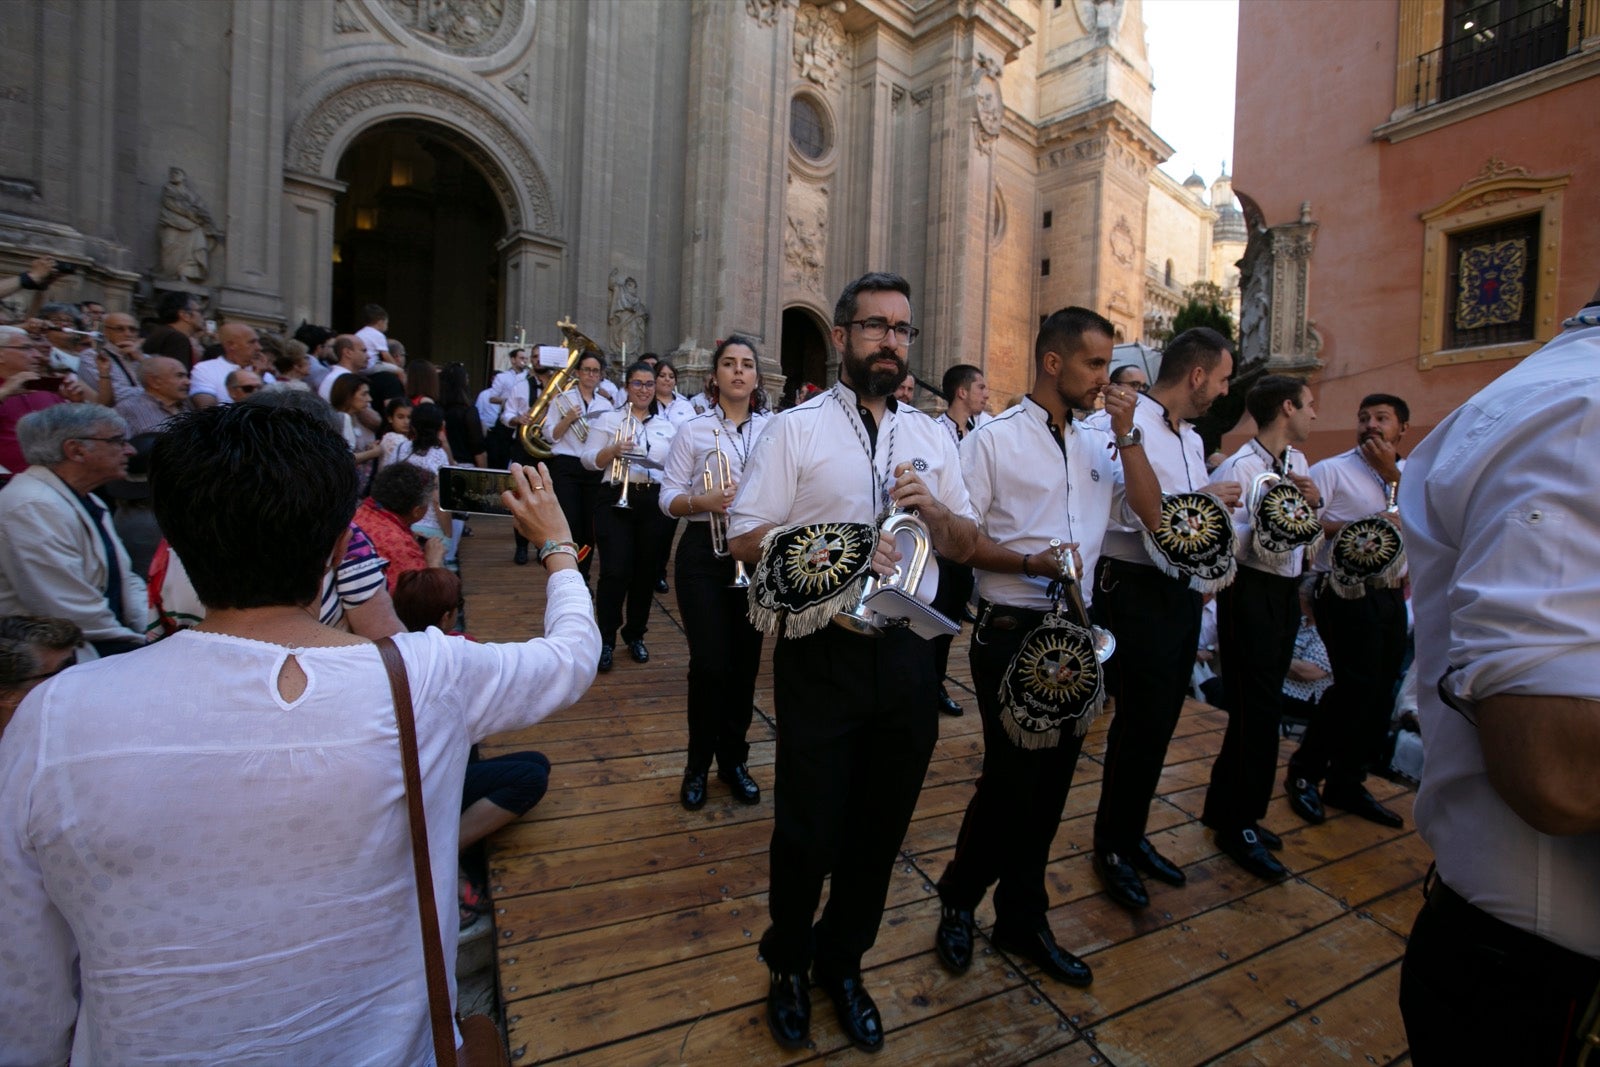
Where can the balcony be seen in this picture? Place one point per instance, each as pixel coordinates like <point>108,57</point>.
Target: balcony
<point>1482,54</point>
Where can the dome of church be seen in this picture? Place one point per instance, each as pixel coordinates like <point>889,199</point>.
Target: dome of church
<point>1194,181</point>
<point>1229,225</point>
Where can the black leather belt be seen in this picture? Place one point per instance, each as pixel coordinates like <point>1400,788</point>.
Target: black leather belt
<point>1525,951</point>
<point>1006,617</point>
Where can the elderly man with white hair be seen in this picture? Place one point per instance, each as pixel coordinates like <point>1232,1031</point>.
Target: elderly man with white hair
<point>59,552</point>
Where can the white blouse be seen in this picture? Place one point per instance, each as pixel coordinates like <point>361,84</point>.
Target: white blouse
<point>194,870</point>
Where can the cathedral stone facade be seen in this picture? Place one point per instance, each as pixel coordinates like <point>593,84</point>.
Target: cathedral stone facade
<point>664,172</point>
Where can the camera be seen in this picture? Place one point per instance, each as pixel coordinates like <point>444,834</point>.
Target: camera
<point>66,268</point>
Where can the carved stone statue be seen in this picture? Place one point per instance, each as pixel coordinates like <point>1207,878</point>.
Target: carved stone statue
<point>628,318</point>
<point>187,231</point>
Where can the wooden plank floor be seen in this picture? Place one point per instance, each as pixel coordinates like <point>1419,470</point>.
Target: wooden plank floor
<point>626,927</point>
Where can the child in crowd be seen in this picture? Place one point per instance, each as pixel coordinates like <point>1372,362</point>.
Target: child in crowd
<point>396,429</point>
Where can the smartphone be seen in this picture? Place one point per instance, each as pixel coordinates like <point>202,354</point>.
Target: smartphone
<point>66,268</point>
<point>48,383</point>
<point>473,489</point>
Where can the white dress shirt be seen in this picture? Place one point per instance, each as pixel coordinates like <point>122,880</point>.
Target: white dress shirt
<point>1504,541</point>
<point>1028,484</point>
<point>194,870</point>
<point>511,388</point>
<point>1178,458</point>
<point>694,442</point>
<point>210,377</point>
<point>1350,489</point>
<point>488,414</point>
<point>678,410</point>
<point>568,444</point>
<point>654,439</point>
<point>948,425</point>
<point>815,463</point>
<point>1244,466</point>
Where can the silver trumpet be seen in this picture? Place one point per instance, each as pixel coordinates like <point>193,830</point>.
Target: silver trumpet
<point>565,407</point>
<point>718,478</point>
<point>622,466</point>
<point>894,596</point>
<point>1105,643</point>
<point>1258,489</point>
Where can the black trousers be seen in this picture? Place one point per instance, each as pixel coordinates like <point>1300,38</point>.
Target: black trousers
<point>1257,619</point>
<point>856,727</point>
<point>1464,968</point>
<point>955,589</point>
<point>724,653</point>
<point>1013,816</point>
<point>1366,641</point>
<point>628,539</point>
<point>498,444</point>
<point>578,492</point>
<point>668,531</point>
<point>1156,621</point>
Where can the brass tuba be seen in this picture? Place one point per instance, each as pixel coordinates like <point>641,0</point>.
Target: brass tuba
<point>530,435</point>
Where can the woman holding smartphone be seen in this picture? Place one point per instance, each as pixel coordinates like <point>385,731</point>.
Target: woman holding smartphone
<point>724,649</point>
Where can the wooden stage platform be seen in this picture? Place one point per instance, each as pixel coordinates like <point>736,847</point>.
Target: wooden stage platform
<point>626,927</point>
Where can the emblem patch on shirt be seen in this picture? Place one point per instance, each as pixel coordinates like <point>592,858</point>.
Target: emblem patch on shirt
<point>919,464</point>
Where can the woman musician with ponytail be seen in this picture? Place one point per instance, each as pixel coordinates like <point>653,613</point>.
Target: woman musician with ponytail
<point>724,648</point>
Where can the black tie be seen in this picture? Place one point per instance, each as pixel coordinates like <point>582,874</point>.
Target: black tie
<point>113,588</point>
<point>533,389</point>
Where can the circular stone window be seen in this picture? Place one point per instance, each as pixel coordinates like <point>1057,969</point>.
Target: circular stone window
<point>808,130</point>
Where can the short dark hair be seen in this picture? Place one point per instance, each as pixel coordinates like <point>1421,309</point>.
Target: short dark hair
<point>312,335</point>
<point>958,378</point>
<point>1200,346</point>
<point>236,484</point>
<point>596,356</point>
<point>1265,400</point>
<point>422,596</point>
<point>1122,371</point>
<point>373,313</point>
<point>1402,410</point>
<point>172,305</point>
<point>400,487</point>
<point>874,282</point>
<point>1063,332</point>
<point>426,422</point>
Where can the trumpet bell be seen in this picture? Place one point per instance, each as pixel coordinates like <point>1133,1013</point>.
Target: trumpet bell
<point>1105,643</point>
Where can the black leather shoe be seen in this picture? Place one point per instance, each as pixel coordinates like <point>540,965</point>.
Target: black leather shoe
<point>1040,947</point>
<point>1147,859</point>
<point>605,658</point>
<point>661,585</point>
<point>858,1015</point>
<point>639,652</point>
<point>520,556</point>
<point>1268,838</point>
<point>946,704</point>
<point>789,1010</point>
<point>1357,801</point>
<point>1245,848</point>
<point>693,791</point>
<point>1122,882</point>
<point>1304,800</point>
<point>952,941</point>
<point>744,787</point>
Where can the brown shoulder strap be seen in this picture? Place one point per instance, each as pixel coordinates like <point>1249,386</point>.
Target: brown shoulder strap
<point>444,1040</point>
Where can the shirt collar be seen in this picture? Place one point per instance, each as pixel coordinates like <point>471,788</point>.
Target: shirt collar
<point>854,399</point>
<point>1166,417</point>
<point>1037,410</point>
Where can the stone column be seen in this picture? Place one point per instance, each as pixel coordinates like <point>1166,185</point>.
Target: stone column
<point>531,273</point>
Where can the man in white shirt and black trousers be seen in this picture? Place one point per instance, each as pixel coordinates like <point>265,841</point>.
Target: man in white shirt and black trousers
<point>1035,477</point>
<point>967,394</point>
<point>1155,617</point>
<point>1365,637</point>
<point>512,392</point>
<point>856,714</point>
<point>1258,617</point>
<point>1504,540</point>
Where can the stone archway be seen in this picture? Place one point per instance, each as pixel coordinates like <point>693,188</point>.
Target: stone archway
<point>804,352</point>
<point>495,142</point>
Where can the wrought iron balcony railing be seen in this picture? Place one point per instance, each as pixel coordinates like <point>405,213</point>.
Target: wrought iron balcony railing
<point>1480,56</point>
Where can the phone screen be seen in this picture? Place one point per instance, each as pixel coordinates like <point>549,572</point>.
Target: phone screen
<point>473,489</point>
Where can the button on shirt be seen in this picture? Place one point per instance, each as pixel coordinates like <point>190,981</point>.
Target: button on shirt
<point>1178,458</point>
<point>1350,489</point>
<point>816,463</point>
<point>1244,467</point>
<point>694,443</point>
<point>654,439</point>
<point>1030,483</point>
<point>1504,543</point>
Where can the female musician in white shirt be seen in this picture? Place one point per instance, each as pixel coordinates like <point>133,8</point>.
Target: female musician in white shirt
<point>577,487</point>
<point>724,649</point>
<point>628,537</point>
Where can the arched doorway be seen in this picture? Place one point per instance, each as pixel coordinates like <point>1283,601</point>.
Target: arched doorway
<point>803,351</point>
<point>416,230</point>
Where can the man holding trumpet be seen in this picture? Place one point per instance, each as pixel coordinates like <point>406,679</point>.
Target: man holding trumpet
<point>857,718</point>
<point>1042,485</point>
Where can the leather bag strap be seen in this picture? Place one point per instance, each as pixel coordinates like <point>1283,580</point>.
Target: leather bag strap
<point>444,1039</point>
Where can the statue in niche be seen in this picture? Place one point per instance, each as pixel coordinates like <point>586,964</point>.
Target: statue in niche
<point>627,318</point>
<point>188,233</point>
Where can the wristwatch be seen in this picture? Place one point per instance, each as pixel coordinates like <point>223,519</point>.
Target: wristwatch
<point>1130,439</point>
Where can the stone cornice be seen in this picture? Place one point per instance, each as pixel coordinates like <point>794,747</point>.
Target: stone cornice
<point>1112,117</point>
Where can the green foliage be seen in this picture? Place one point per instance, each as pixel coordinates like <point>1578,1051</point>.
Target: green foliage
<point>1205,307</point>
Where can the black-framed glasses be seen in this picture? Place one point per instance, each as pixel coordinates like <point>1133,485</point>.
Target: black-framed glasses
<point>878,329</point>
<point>119,440</point>
<point>642,383</point>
